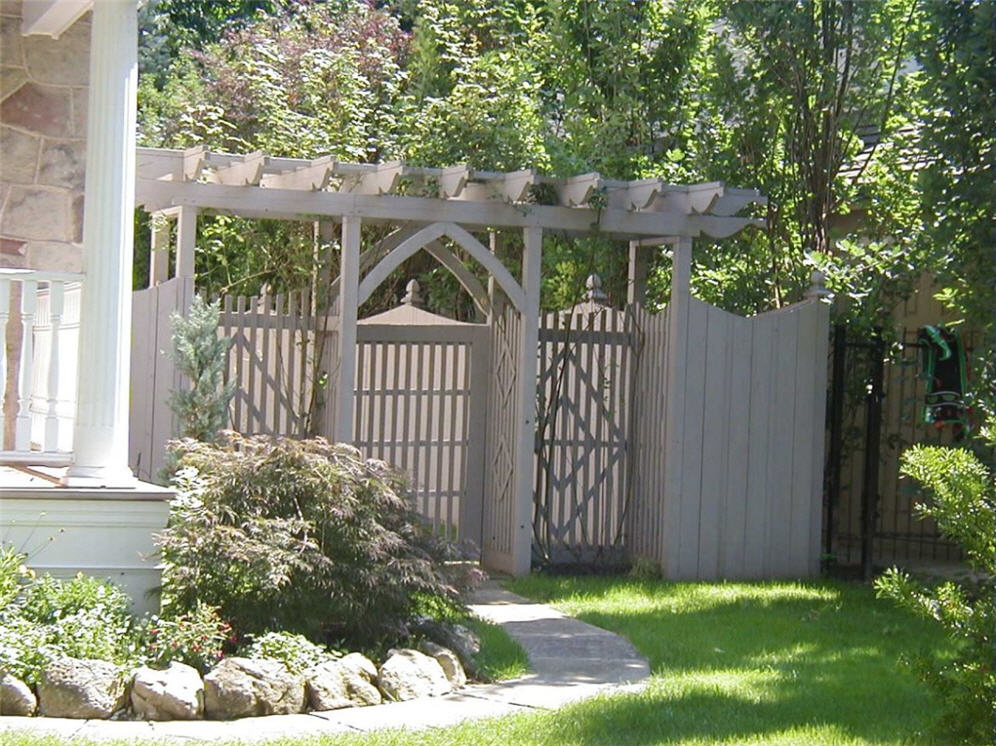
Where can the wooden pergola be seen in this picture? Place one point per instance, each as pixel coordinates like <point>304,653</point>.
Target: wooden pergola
<point>424,205</point>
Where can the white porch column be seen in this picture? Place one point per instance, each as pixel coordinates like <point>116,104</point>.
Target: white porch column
<point>101,436</point>
<point>349,293</point>
<point>532,252</point>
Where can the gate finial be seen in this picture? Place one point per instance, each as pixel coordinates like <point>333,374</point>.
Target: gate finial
<point>818,288</point>
<point>413,294</point>
<point>595,294</point>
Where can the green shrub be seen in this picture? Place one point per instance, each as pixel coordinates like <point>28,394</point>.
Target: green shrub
<point>24,648</point>
<point>13,574</point>
<point>964,506</point>
<point>82,617</point>
<point>202,407</point>
<point>197,638</point>
<point>295,651</point>
<point>301,536</point>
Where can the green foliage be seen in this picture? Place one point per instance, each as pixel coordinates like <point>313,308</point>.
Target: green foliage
<point>196,638</point>
<point>301,536</point>
<point>82,617</point>
<point>963,503</point>
<point>203,358</point>
<point>294,651</point>
<point>13,574</point>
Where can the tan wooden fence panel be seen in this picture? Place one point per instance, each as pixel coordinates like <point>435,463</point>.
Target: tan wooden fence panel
<point>153,374</point>
<point>275,344</point>
<point>750,464</point>
<point>645,529</point>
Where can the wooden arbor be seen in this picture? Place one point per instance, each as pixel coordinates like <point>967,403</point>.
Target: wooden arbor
<point>425,205</point>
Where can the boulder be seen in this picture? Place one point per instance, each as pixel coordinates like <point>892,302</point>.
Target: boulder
<point>409,674</point>
<point>80,688</point>
<point>448,661</point>
<point>16,697</point>
<point>334,685</point>
<point>458,638</point>
<point>243,687</point>
<point>361,665</point>
<point>176,693</point>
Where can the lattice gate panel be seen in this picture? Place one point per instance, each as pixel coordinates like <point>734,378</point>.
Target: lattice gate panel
<point>499,485</point>
<point>413,409</point>
<point>585,387</point>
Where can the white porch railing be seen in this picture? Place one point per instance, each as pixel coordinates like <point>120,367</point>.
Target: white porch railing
<point>39,328</point>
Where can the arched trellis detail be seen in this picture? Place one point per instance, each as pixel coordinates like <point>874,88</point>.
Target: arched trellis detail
<point>441,253</point>
<point>464,276</point>
<point>430,235</point>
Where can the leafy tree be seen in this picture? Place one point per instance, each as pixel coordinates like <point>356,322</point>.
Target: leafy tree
<point>958,54</point>
<point>789,89</point>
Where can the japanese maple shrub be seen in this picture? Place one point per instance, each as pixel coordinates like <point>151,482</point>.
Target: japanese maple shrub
<point>301,536</point>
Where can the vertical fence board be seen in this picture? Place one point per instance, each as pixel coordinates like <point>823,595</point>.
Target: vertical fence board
<point>715,443</point>
<point>738,392</point>
<point>806,332</point>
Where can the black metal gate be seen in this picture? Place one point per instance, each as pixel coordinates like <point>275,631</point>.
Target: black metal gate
<point>876,411</point>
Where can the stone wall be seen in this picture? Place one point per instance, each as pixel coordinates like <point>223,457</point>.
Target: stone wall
<point>43,99</point>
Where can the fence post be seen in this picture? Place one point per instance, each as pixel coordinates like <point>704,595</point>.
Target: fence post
<point>836,431</point>
<point>348,308</point>
<point>873,435</point>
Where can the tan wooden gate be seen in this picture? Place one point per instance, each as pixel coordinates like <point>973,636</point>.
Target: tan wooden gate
<point>420,403</point>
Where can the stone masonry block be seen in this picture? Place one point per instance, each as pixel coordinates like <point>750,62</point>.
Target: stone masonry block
<point>54,256</point>
<point>62,61</point>
<point>80,101</point>
<point>11,78</point>
<point>37,213</point>
<point>11,49</point>
<point>62,163</point>
<point>38,108</point>
<point>20,156</point>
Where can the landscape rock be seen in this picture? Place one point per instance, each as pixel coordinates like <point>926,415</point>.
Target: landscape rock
<point>448,661</point>
<point>80,688</point>
<point>16,697</point>
<point>458,638</point>
<point>337,684</point>
<point>244,687</point>
<point>176,693</point>
<point>409,674</point>
<point>361,665</point>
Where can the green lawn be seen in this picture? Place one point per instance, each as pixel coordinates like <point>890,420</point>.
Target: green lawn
<point>737,663</point>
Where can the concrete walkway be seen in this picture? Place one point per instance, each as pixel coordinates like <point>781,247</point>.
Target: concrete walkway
<point>571,660</point>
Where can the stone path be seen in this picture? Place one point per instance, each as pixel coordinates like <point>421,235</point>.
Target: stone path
<point>571,660</point>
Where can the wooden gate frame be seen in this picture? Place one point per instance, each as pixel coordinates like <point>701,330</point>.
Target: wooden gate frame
<point>475,336</point>
<point>179,184</point>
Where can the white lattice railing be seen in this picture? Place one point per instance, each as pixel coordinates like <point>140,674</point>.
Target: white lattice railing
<point>39,325</point>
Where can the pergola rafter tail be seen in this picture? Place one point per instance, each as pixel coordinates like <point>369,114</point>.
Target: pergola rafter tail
<point>261,186</point>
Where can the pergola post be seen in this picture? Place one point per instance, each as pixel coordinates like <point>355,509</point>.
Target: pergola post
<point>349,293</point>
<point>639,267</point>
<point>677,356</point>
<point>186,239</point>
<point>101,430</point>
<point>532,252</point>
<point>159,256</point>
